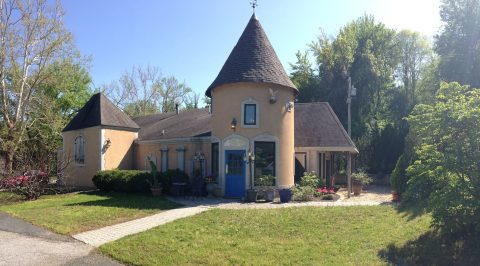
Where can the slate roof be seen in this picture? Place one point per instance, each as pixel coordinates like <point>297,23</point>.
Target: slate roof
<point>253,59</point>
<point>188,123</point>
<point>100,111</point>
<point>316,125</point>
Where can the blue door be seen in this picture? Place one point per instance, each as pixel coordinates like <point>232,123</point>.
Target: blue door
<point>234,173</point>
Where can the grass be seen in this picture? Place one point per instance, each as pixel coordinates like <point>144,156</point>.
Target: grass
<point>7,197</point>
<point>295,236</point>
<point>77,212</point>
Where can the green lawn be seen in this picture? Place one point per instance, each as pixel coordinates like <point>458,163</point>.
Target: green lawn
<point>294,236</point>
<point>77,212</point>
<point>9,198</point>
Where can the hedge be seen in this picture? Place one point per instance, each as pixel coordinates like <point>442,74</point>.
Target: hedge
<point>122,180</point>
<point>135,180</point>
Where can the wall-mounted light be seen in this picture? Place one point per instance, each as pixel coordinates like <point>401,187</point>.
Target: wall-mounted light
<point>106,145</point>
<point>233,125</point>
<point>289,106</point>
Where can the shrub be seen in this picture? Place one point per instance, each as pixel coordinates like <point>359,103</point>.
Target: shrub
<point>122,180</point>
<point>307,187</point>
<point>32,184</point>
<point>399,178</point>
<point>361,177</point>
<point>170,176</point>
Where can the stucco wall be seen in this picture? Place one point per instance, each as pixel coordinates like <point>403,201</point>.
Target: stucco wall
<point>120,153</point>
<point>144,149</point>
<point>81,175</point>
<point>274,120</point>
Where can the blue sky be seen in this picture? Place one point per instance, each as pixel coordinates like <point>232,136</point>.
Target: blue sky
<point>192,39</point>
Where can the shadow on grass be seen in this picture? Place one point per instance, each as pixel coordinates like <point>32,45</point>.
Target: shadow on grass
<point>129,201</point>
<point>433,248</point>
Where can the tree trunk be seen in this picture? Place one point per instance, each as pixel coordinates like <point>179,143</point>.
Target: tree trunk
<point>9,155</point>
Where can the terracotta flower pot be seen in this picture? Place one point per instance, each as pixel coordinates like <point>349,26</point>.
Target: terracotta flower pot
<point>395,196</point>
<point>156,191</point>
<point>357,189</point>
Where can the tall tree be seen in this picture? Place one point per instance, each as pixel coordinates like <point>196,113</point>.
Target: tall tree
<point>144,91</point>
<point>458,43</point>
<point>415,53</point>
<point>32,35</point>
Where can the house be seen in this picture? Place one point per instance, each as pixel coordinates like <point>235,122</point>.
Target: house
<point>253,127</point>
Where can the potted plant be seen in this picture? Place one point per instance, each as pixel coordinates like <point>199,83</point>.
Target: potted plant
<point>155,186</point>
<point>285,195</point>
<point>211,184</point>
<point>360,179</point>
<point>266,182</point>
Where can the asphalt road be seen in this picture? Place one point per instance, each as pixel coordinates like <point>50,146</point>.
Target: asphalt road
<point>22,243</point>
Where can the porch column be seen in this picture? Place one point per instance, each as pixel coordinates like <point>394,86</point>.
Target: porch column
<point>349,173</point>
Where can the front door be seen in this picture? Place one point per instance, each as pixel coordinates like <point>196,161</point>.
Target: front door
<point>234,173</point>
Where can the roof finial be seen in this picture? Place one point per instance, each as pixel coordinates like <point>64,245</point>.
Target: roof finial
<point>254,4</point>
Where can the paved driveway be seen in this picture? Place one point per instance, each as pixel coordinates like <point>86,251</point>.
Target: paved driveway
<point>22,243</point>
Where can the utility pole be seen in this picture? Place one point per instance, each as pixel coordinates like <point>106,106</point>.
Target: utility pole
<point>351,91</point>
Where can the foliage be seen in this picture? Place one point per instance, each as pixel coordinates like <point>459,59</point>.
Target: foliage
<point>32,37</point>
<point>458,43</point>
<point>123,181</point>
<point>170,176</point>
<point>263,236</point>
<point>361,178</point>
<point>154,183</point>
<point>307,187</point>
<point>399,177</point>
<point>144,91</point>
<point>31,184</point>
<point>265,180</point>
<point>444,178</point>
<point>55,101</point>
<point>77,212</point>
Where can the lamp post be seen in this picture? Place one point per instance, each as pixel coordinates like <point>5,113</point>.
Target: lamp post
<point>351,91</point>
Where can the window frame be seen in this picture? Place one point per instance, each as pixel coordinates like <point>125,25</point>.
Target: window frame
<point>250,102</point>
<point>274,143</point>
<point>75,150</point>
<point>215,161</point>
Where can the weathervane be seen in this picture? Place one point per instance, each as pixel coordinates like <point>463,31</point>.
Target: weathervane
<point>254,5</point>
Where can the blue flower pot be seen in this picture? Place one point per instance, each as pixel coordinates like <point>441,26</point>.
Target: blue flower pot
<point>285,195</point>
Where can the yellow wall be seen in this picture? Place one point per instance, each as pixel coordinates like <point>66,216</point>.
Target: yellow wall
<point>120,153</point>
<point>273,120</point>
<point>144,149</point>
<point>81,175</point>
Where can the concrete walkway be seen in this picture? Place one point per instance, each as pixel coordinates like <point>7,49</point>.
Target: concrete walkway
<point>111,233</point>
<point>22,243</point>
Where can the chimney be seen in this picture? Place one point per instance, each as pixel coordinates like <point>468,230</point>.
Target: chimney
<point>176,108</point>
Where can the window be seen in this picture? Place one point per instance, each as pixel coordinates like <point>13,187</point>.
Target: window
<point>79,150</point>
<point>250,114</point>
<point>215,158</point>
<point>164,166</point>
<point>181,158</point>
<point>264,158</point>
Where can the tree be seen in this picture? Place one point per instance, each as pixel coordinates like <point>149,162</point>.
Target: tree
<point>445,176</point>
<point>172,93</point>
<point>192,100</point>
<point>415,53</point>
<point>55,101</point>
<point>458,43</point>
<point>32,35</point>
<point>144,91</point>
<point>137,92</point>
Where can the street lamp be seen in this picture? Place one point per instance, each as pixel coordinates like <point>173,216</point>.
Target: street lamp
<point>351,91</point>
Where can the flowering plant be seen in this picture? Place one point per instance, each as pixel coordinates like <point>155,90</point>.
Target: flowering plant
<point>212,178</point>
<point>325,190</point>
